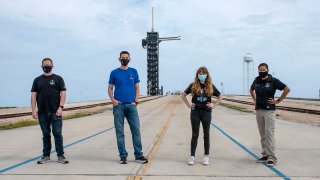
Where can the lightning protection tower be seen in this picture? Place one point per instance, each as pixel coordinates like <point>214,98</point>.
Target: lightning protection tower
<point>151,43</point>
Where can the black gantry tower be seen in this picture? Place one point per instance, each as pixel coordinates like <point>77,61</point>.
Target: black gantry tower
<point>151,43</point>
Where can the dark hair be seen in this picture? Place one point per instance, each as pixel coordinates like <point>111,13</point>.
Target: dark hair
<point>47,59</point>
<point>124,52</point>
<point>263,64</point>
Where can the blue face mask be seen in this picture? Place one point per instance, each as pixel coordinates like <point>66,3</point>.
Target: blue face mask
<point>202,77</point>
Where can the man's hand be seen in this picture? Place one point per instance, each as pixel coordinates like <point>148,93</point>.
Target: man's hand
<point>59,112</point>
<point>116,102</point>
<point>34,114</point>
<point>134,103</point>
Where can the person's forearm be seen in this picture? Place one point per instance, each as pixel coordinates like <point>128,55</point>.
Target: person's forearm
<point>219,100</point>
<point>184,99</point>
<point>33,102</point>
<point>253,95</point>
<point>137,93</point>
<point>284,94</point>
<point>110,93</point>
<point>63,98</point>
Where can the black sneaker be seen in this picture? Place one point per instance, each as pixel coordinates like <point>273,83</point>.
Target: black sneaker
<point>43,160</point>
<point>271,163</point>
<point>123,160</point>
<point>263,159</point>
<point>142,160</point>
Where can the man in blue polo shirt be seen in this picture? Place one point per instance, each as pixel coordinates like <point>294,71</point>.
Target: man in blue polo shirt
<point>125,100</point>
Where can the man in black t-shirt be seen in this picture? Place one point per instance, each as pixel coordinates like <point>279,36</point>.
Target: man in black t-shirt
<point>49,94</point>
<point>262,92</point>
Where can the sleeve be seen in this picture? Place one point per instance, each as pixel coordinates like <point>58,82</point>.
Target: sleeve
<point>34,86</point>
<point>62,84</point>
<point>278,84</point>
<point>188,90</point>
<point>136,79</point>
<point>253,84</point>
<point>216,92</point>
<point>112,78</point>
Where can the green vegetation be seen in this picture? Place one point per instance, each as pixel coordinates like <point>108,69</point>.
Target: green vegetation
<point>239,108</point>
<point>30,122</point>
<point>23,123</point>
<point>78,115</point>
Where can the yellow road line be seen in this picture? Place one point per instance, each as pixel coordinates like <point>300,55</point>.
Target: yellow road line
<point>154,149</point>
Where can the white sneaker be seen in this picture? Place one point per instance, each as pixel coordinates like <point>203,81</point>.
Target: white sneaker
<point>191,160</point>
<point>206,160</point>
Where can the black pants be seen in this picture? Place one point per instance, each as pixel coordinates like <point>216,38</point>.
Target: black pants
<point>204,117</point>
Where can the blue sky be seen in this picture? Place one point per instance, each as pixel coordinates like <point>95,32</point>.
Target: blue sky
<point>84,38</point>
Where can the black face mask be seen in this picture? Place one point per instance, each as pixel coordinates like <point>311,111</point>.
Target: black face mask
<point>124,62</point>
<point>47,69</point>
<point>263,74</point>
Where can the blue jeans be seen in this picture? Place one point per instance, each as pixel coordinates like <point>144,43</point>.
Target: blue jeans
<point>45,120</point>
<point>130,112</point>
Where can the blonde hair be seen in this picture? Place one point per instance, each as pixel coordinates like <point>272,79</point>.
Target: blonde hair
<point>196,87</point>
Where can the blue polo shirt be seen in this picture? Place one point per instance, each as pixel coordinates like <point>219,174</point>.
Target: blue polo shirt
<point>124,81</point>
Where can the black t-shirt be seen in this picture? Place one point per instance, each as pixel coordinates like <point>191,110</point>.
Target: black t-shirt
<point>200,100</point>
<point>266,89</point>
<point>48,90</point>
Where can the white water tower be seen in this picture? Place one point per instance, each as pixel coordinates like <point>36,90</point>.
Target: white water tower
<point>247,73</point>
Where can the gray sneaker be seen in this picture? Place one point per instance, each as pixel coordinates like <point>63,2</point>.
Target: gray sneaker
<point>62,160</point>
<point>44,159</point>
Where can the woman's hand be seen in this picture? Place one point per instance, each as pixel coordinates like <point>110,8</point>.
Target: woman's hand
<point>272,101</point>
<point>191,105</point>
<point>211,105</point>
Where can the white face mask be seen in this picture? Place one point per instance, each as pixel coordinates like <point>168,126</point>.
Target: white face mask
<point>202,77</point>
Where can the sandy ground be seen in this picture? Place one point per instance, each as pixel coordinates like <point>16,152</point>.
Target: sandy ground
<point>89,110</point>
<point>288,115</point>
<point>285,115</point>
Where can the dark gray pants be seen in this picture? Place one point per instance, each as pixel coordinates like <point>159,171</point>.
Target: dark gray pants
<point>204,117</point>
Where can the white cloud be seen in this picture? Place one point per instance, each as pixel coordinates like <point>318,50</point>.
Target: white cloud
<point>85,37</point>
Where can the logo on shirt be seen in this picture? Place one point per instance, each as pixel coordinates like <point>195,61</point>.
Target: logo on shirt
<point>52,82</point>
<point>267,85</point>
<point>131,76</point>
<point>202,99</point>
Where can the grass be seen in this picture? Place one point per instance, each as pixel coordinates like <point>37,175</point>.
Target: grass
<point>238,108</point>
<point>30,122</point>
<point>27,122</point>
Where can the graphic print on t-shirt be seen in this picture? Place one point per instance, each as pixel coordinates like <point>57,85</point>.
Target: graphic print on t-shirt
<point>131,76</point>
<point>52,82</point>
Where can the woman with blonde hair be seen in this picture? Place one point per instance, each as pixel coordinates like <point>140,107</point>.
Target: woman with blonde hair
<point>202,89</point>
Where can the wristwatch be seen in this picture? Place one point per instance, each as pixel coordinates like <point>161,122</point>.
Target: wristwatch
<point>61,107</point>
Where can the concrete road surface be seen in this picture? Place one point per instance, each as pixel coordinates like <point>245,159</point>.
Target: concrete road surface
<point>90,146</point>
